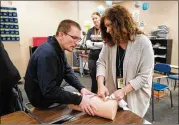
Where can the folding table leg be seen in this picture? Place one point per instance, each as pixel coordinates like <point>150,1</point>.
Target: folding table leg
<point>152,105</point>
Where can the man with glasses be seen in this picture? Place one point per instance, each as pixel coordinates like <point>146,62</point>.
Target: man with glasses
<point>48,67</point>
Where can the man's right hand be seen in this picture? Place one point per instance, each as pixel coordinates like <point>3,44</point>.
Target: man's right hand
<point>103,92</point>
<point>87,106</point>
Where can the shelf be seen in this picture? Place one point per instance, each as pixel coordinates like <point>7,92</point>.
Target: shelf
<point>160,48</point>
<point>160,60</point>
<point>159,56</point>
<point>161,39</point>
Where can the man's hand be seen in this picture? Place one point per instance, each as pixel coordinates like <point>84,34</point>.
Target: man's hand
<point>84,91</point>
<point>87,106</point>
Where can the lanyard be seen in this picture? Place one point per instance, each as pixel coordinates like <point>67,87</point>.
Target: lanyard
<point>120,61</point>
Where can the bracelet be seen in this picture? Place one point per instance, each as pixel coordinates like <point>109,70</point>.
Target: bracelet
<point>123,91</point>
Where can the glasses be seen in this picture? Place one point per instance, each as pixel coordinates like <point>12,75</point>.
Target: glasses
<point>77,39</point>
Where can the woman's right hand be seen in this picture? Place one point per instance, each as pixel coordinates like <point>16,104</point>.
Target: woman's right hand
<point>103,92</point>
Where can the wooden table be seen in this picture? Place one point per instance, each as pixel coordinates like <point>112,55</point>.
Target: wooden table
<point>53,114</point>
<point>18,117</point>
<point>122,117</point>
<point>174,66</point>
<point>174,71</point>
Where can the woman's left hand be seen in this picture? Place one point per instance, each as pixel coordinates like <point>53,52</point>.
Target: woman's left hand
<point>119,94</point>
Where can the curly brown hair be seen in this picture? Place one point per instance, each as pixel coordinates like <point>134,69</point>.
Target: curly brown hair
<point>124,27</point>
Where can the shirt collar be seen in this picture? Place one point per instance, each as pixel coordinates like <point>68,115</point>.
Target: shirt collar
<point>55,44</point>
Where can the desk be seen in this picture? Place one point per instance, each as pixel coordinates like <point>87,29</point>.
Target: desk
<point>81,55</point>
<point>174,66</point>
<point>18,117</point>
<point>53,114</point>
<point>174,71</point>
<point>122,117</point>
<point>85,57</point>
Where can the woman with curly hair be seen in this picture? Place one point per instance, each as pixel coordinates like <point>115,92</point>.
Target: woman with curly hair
<point>126,61</point>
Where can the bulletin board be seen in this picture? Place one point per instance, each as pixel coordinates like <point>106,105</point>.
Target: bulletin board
<point>9,24</point>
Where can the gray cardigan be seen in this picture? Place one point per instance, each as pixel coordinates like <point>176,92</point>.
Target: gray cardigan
<point>137,70</point>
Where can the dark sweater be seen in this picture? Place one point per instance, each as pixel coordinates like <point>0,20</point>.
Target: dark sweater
<point>45,72</point>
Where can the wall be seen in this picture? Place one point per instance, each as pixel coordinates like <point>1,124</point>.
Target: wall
<point>41,18</point>
<point>160,12</point>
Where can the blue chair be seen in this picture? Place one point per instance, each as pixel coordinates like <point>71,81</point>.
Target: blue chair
<point>174,77</point>
<point>157,86</point>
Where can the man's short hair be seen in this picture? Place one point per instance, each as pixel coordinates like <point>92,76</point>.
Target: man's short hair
<point>65,26</point>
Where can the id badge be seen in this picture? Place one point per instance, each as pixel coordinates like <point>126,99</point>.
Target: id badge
<point>119,83</point>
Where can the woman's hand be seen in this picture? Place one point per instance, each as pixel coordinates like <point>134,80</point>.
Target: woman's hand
<point>119,94</point>
<point>103,92</point>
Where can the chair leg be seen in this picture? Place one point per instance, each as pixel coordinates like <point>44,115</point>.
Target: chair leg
<point>158,96</point>
<point>153,105</point>
<point>175,85</point>
<point>158,80</point>
<point>167,81</point>
<point>171,98</point>
<point>20,101</point>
